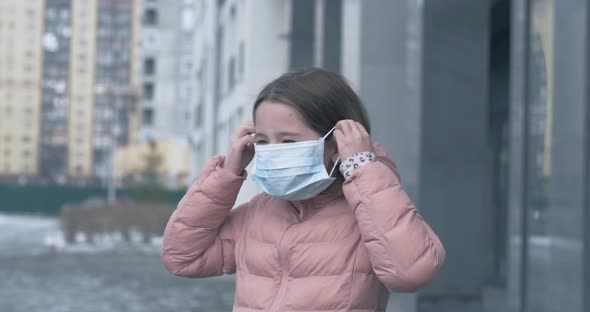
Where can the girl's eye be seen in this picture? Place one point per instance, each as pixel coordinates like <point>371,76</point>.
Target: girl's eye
<point>289,141</point>
<point>261,142</point>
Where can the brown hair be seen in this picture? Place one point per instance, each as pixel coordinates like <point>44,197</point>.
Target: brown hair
<point>321,97</point>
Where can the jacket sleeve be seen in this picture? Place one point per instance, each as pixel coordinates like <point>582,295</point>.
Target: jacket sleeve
<point>200,236</point>
<point>404,251</point>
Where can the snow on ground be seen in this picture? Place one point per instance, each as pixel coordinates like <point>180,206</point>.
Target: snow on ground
<point>109,276</point>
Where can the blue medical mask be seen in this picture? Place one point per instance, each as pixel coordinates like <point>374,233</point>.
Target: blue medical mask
<point>292,171</point>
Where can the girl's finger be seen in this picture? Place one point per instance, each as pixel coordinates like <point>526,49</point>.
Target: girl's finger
<point>338,134</point>
<point>245,130</point>
<point>361,129</point>
<point>242,142</point>
<point>354,131</point>
<point>345,127</point>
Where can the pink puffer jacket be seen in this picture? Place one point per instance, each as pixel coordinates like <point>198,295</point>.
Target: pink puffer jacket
<point>336,252</point>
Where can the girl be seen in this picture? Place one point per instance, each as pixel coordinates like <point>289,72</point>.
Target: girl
<point>318,238</point>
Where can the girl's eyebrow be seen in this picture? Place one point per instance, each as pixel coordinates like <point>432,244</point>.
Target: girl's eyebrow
<point>282,133</point>
<point>287,133</point>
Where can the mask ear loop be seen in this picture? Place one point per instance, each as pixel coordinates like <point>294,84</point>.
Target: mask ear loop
<point>329,132</point>
<point>337,159</point>
<point>334,167</point>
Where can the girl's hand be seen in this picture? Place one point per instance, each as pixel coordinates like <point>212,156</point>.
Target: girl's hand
<point>241,149</point>
<point>351,138</point>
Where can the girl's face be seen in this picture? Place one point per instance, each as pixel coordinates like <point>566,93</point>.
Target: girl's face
<point>277,123</point>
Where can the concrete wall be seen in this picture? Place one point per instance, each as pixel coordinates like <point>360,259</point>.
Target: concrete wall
<point>422,72</point>
<point>455,179</point>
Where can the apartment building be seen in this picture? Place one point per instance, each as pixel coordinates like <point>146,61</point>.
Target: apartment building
<point>73,62</point>
<point>167,72</point>
<point>21,24</point>
<point>116,92</point>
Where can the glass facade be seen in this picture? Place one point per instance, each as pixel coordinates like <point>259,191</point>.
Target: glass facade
<point>538,168</point>
<point>556,153</point>
<point>55,103</point>
<point>114,96</point>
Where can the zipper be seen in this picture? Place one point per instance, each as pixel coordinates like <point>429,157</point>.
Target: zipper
<point>284,260</point>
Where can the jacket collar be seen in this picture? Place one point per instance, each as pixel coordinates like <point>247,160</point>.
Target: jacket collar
<point>308,207</point>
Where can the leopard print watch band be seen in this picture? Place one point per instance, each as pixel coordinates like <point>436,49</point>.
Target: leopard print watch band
<point>355,161</point>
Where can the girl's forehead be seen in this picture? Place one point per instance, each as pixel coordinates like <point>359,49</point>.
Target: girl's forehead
<point>274,114</point>
<point>273,110</point>
<point>275,118</point>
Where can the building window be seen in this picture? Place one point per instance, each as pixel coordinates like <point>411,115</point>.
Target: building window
<point>149,66</point>
<point>199,116</point>
<point>148,91</point>
<point>240,114</point>
<point>231,70</point>
<point>242,59</point>
<point>188,67</point>
<point>148,116</point>
<point>150,17</point>
<point>150,40</point>
<point>65,14</point>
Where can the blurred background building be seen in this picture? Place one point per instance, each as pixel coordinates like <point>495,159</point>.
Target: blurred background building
<point>168,75</point>
<point>21,27</point>
<point>69,88</point>
<point>483,105</point>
